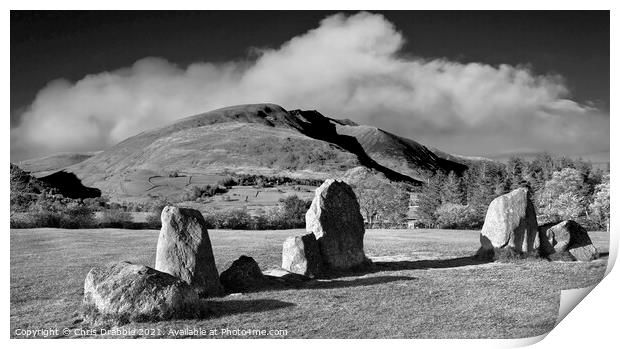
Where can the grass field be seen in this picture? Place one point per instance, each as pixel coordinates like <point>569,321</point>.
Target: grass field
<point>424,286</point>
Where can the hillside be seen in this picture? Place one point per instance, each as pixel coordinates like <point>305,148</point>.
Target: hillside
<point>61,182</point>
<point>23,182</point>
<point>49,164</point>
<point>262,139</point>
<point>400,154</point>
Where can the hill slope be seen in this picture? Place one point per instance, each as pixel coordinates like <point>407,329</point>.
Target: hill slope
<point>400,154</point>
<point>49,164</point>
<point>253,139</point>
<point>61,182</point>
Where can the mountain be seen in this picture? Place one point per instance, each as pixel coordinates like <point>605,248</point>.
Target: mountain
<point>260,139</point>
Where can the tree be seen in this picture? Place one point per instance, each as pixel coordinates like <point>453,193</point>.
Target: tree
<point>452,190</point>
<point>483,187</point>
<point>600,203</point>
<point>385,203</point>
<point>562,197</point>
<point>516,169</point>
<point>397,208</point>
<point>455,216</point>
<point>540,170</point>
<point>293,209</point>
<point>429,199</point>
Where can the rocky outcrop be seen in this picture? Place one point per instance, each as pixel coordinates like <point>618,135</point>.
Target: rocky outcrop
<point>184,250</point>
<point>335,220</point>
<point>129,292</point>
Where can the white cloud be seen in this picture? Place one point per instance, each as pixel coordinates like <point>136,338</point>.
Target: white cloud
<point>348,67</point>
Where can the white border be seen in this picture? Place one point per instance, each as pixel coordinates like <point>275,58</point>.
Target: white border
<point>592,323</point>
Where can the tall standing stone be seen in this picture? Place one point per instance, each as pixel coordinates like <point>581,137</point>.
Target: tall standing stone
<point>301,255</point>
<point>335,220</point>
<point>184,250</point>
<point>510,222</point>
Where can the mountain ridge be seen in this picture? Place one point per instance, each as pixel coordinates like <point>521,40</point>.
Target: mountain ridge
<point>261,139</point>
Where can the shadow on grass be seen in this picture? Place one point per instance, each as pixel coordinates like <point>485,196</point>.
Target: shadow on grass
<point>366,281</point>
<point>298,282</point>
<point>428,264</point>
<point>204,309</point>
<point>381,266</point>
<point>217,308</point>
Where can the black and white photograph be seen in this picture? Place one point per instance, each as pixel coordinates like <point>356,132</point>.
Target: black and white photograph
<point>313,174</point>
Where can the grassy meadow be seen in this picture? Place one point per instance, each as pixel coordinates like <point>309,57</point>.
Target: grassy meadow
<point>425,285</point>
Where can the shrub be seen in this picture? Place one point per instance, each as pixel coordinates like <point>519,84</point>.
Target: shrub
<point>240,218</point>
<point>455,216</point>
<point>227,182</point>
<point>195,193</point>
<point>20,202</point>
<point>43,219</point>
<point>237,218</point>
<point>269,181</point>
<point>153,221</point>
<point>96,203</point>
<point>293,210</point>
<point>116,218</point>
<point>260,222</point>
<point>77,217</point>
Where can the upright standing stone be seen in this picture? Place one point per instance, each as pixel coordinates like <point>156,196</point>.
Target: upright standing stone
<point>301,255</point>
<point>335,220</point>
<point>511,223</point>
<point>569,237</point>
<point>184,250</point>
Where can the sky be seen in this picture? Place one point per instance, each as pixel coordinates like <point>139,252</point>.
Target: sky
<point>471,83</point>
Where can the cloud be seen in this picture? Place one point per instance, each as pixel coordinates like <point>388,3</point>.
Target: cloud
<point>348,67</point>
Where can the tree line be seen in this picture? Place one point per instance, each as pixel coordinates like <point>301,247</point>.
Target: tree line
<point>562,188</point>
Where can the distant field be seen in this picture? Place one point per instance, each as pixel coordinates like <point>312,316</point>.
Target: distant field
<point>252,198</point>
<point>424,287</point>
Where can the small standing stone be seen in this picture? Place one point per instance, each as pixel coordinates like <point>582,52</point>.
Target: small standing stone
<point>300,255</point>
<point>243,275</point>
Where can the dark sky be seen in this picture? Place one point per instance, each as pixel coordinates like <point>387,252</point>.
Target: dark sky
<point>51,45</point>
<point>513,81</point>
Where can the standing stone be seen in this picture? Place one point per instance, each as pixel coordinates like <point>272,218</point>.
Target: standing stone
<point>569,237</point>
<point>130,292</point>
<point>335,220</point>
<point>510,222</point>
<point>300,255</point>
<point>184,250</point>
